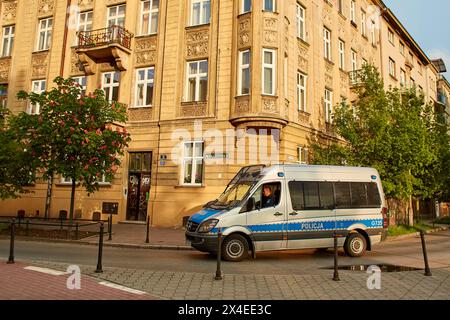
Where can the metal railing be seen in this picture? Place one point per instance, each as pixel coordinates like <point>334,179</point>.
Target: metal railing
<point>112,35</point>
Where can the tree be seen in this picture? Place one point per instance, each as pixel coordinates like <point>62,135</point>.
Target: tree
<point>15,170</point>
<point>393,131</point>
<point>73,134</point>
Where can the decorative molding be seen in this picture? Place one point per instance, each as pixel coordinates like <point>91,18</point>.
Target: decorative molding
<point>197,43</point>
<point>5,65</point>
<point>75,64</point>
<point>140,114</point>
<point>111,2</point>
<point>45,7</point>
<point>326,16</point>
<point>242,105</point>
<point>328,80</point>
<point>245,34</point>
<point>145,44</point>
<point>85,4</point>
<point>9,10</point>
<point>303,55</point>
<point>270,33</point>
<point>303,118</point>
<point>39,63</point>
<point>146,51</point>
<point>269,105</point>
<point>270,24</point>
<point>344,81</point>
<point>193,109</point>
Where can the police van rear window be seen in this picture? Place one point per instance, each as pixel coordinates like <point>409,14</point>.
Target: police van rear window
<point>326,195</point>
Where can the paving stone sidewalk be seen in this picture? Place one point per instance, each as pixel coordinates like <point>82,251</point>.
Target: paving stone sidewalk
<point>412,285</point>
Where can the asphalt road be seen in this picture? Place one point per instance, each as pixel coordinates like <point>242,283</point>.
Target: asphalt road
<point>405,252</point>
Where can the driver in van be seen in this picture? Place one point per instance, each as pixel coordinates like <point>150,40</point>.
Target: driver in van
<point>268,198</point>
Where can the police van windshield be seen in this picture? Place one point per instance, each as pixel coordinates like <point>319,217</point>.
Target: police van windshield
<point>238,188</point>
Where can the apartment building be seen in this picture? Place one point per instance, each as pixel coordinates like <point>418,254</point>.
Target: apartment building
<point>204,81</point>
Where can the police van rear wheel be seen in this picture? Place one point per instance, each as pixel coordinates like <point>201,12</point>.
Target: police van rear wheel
<point>235,248</point>
<point>355,245</point>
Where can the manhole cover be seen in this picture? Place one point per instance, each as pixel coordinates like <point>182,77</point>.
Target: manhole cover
<point>383,267</point>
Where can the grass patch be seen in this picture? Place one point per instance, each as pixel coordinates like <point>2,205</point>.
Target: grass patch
<point>3,226</point>
<point>444,220</point>
<point>403,229</point>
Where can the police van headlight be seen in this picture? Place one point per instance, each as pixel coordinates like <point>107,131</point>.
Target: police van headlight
<point>207,226</point>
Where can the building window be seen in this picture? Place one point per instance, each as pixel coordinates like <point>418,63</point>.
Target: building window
<point>116,16</point>
<point>197,80</point>
<point>363,24</point>
<point>327,44</point>
<point>354,60</point>
<point>149,17</point>
<point>3,94</point>
<point>301,22</point>
<point>246,6</point>
<point>66,180</point>
<point>110,85</point>
<point>144,87</point>
<point>45,34</point>
<point>8,40</point>
<point>341,6</point>
<point>328,104</point>
<point>341,54</point>
<point>353,11</point>
<point>303,155</point>
<point>269,71</point>
<point>301,91</point>
<point>391,36</point>
<point>269,5</point>
<point>402,48</point>
<point>82,82</point>
<point>373,32</point>
<point>402,77</point>
<point>192,171</point>
<point>391,67</point>
<point>200,12</point>
<point>244,73</point>
<point>419,65</point>
<point>38,87</point>
<point>412,82</point>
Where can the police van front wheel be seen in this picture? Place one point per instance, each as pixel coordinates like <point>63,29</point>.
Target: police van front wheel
<point>235,248</point>
<point>355,245</point>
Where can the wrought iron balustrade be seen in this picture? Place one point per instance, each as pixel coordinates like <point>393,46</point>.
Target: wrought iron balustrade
<point>112,35</point>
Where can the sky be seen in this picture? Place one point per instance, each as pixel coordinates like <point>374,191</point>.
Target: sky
<point>428,23</point>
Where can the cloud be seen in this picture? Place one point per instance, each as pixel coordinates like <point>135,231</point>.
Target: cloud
<point>443,54</point>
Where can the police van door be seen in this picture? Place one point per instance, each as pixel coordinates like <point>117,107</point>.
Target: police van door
<point>266,216</point>
<point>311,214</point>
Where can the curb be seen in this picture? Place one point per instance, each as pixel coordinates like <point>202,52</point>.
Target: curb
<point>105,244</point>
<point>415,234</point>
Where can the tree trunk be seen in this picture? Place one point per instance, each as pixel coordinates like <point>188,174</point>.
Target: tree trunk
<point>72,204</point>
<point>48,197</point>
<point>410,212</point>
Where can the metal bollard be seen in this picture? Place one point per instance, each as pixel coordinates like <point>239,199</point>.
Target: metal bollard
<point>11,243</point>
<point>425,256</point>
<point>76,231</point>
<point>27,227</point>
<point>219,255</point>
<point>110,228</point>
<point>336,271</point>
<point>100,250</point>
<point>147,239</point>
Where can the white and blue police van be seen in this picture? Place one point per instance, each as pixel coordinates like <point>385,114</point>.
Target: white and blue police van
<point>284,207</point>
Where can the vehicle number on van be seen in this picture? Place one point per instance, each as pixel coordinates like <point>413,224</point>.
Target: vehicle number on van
<point>377,223</point>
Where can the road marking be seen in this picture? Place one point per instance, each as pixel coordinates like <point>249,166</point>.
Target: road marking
<point>119,287</point>
<point>46,271</point>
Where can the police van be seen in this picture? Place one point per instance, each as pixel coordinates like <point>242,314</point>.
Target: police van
<point>284,207</point>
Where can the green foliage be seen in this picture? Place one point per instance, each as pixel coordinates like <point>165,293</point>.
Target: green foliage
<point>404,229</point>
<point>394,131</point>
<point>73,134</point>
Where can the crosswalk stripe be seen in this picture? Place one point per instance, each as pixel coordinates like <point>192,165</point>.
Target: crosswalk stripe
<point>46,271</point>
<point>119,287</point>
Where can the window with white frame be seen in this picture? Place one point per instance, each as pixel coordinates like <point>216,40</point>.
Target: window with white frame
<point>328,105</point>
<point>149,17</point>
<point>301,91</point>
<point>67,180</point>
<point>244,73</point>
<point>246,6</point>
<point>341,54</point>
<point>192,170</point>
<point>82,82</point>
<point>419,66</point>
<point>301,33</point>
<point>200,12</point>
<point>402,77</point>
<point>197,80</point>
<point>144,87</point>
<point>110,85</point>
<point>402,48</point>
<point>269,71</point>
<point>373,34</point>
<point>391,67</point>
<point>364,62</point>
<point>37,86</point>
<point>327,44</point>
<point>116,16</point>
<point>354,60</point>
<point>269,5</point>
<point>391,36</point>
<point>353,11</point>
<point>363,23</point>
<point>303,155</point>
<point>85,21</point>
<point>8,40</point>
<point>45,34</point>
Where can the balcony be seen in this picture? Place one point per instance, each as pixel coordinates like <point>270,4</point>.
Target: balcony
<point>356,78</point>
<point>108,45</point>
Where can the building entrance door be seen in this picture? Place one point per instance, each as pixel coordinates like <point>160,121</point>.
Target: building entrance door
<point>139,181</point>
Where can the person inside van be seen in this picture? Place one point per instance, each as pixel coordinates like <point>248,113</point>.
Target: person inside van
<point>268,197</point>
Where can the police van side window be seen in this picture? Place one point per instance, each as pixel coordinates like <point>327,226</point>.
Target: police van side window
<point>311,195</point>
<point>343,199</point>
<point>357,195</point>
<point>373,195</point>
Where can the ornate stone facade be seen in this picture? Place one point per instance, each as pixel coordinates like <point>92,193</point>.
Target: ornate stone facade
<point>5,66</point>
<point>39,64</point>
<point>193,109</point>
<point>242,105</point>
<point>145,51</point>
<point>270,33</point>
<point>140,114</point>
<point>9,9</point>
<point>45,7</point>
<point>197,43</point>
<point>244,32</point>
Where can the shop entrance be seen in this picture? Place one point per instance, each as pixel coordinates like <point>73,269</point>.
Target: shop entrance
<point>139,181</point>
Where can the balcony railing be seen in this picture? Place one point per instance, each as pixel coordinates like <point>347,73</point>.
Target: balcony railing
<point>356,78</point>
<point>111,35</point>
